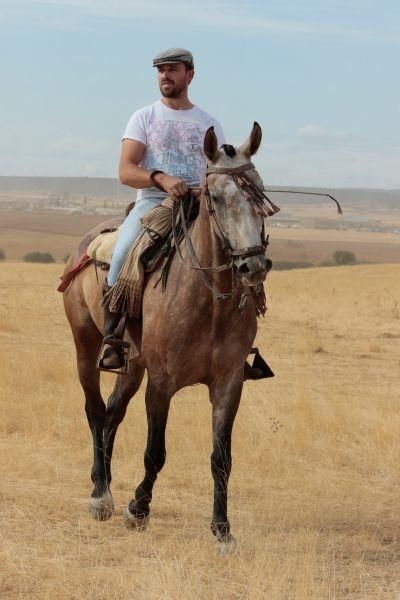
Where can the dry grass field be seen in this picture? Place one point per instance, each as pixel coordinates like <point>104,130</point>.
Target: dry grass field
<point>315,487</point>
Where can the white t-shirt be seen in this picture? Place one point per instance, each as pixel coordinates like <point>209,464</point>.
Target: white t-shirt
<point>174,142</point>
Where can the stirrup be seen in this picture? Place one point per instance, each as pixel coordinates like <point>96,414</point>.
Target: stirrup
<point>259,369</point>
<point>122,348</point>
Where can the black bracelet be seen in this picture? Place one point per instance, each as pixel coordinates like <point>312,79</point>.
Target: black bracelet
<point>157,185</point>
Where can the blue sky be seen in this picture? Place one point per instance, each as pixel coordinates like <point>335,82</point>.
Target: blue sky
<point>322,79</point>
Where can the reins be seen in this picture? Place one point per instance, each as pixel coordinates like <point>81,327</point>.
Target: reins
<point>191,252</point>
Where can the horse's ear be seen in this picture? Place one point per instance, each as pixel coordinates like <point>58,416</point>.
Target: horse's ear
<point>211,144</point>
<point>252,144</point>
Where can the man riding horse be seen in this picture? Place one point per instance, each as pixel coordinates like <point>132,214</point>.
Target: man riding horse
<point>199,327</point>
<point>162,154</point>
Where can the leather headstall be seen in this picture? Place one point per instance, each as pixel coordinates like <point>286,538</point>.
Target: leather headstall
<point>257,198</point>
<point>253,194</point>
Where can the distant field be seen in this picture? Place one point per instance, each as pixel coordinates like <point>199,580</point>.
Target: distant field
<point>48,222</point>
<point>334,235</point>
<point>17,243</point>
<point>23,232</point>
<point>318,251</point>
<point>59,234</point>
<point>314,494</point>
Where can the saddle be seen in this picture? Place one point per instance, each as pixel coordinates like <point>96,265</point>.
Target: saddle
<point>101,247</point>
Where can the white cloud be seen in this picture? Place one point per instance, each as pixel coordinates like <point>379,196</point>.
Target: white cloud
<point>316,131</point>
<point>65,156</point>
<point>208,14</point>
<point>75,145</point>
<point>310,131</point>
<point>339,134</point>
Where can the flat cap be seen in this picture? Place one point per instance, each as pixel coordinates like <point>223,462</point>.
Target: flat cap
<point>174,55</point>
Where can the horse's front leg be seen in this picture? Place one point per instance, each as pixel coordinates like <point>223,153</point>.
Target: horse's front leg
<point>157,406</point>
<point>125,388</point>
<point>225,397</point>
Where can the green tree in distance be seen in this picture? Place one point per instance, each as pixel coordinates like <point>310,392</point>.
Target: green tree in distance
<point>39,257</point>
<point>344,257</point>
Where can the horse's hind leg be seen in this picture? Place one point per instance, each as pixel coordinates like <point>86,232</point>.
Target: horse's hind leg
<point>88,341</point>
<point>157,407</point>
<point>125,388</point>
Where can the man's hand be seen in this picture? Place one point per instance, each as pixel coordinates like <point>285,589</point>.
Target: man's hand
<point>175,187</point>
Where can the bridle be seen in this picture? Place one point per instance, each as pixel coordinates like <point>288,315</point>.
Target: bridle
<point>255,196</point>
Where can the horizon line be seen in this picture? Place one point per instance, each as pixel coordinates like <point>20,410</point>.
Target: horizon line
<point>340,187</point>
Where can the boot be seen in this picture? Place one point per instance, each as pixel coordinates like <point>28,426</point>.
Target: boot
<point>114,352</point>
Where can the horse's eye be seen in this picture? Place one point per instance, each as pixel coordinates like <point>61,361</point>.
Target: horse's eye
<point>214,197</point>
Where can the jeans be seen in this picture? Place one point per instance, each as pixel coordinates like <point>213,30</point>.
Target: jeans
<point>128,233</point>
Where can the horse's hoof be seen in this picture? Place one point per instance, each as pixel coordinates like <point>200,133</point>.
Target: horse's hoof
<point>226,546</point>
<point>102,508</point>
<point>134,522</point>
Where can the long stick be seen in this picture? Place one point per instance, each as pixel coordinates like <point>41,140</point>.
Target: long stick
<point>308,194</point>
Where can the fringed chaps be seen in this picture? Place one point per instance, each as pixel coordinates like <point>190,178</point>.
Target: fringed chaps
<point>125,296</point>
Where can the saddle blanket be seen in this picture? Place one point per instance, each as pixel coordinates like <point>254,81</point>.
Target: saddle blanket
<point>101,247</point>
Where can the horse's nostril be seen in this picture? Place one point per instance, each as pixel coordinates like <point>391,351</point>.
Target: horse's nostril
<point>243,269</point>
<point>268,264</point>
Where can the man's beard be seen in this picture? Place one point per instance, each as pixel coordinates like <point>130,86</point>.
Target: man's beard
<point>172,92</point>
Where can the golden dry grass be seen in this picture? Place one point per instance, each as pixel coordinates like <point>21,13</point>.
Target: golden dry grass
<point>314,493</point>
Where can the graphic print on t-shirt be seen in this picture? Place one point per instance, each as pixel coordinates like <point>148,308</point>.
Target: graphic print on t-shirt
<point>176,147</point>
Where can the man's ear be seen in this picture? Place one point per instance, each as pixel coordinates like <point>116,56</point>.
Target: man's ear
<point>191,75</point>
<point>252,144</point>
<point>211,144</point>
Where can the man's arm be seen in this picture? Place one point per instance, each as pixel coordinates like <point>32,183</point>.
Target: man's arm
<point>131,174</point>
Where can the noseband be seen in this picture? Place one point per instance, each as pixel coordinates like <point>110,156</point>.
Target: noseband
<point>254,195</point>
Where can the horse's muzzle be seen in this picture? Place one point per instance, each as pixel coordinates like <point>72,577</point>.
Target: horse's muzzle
<point>254,269</point>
